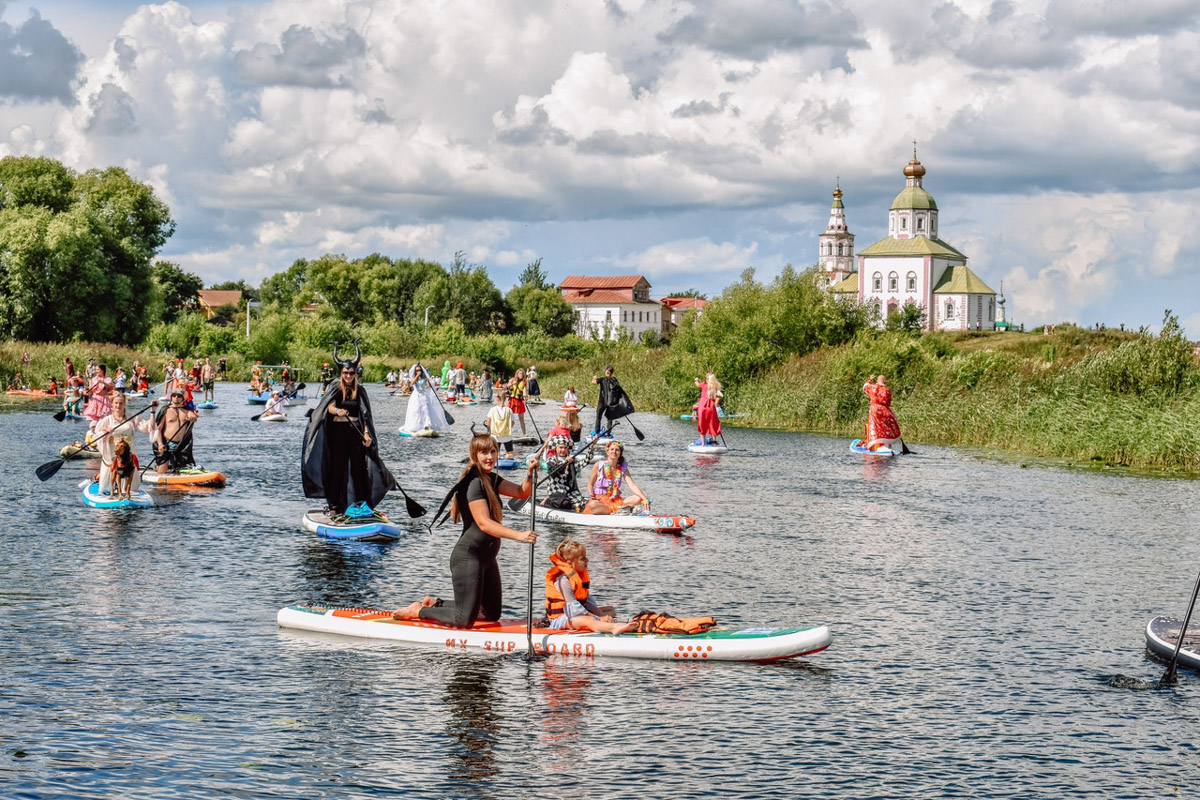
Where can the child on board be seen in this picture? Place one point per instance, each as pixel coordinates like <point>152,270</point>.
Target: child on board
<point>564,477</point>
<point>569,604</point>
<point>499,423</point>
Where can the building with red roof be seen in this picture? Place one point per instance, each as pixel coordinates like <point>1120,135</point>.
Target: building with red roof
<point>606,305</point>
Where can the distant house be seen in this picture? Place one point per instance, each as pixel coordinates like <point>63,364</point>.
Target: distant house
<point>212,299</point>
<point>674,309</point>
<point>605,305</point>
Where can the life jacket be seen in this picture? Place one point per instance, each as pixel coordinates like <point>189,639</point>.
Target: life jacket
<point>651,622</point>
<point>555,602</point>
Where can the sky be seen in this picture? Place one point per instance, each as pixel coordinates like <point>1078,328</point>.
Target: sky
<point>682,140</point>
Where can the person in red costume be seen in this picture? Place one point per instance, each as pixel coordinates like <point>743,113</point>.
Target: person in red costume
<point>708,422</point>
<point>882,430</point>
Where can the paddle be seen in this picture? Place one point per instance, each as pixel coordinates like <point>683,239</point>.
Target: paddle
<point>257,417</point>
<point>533,527</point>
<point>1169,677</point>
<point>515,503</point>
<point>50,468</point>
<point>414,508</point>
<point>535,427</point>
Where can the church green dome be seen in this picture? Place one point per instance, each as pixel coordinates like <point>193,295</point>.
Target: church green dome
<point>913,197</point>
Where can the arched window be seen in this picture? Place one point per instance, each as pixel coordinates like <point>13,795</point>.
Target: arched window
<point>893,282</point>
<point>877,282</point>
<point>949,309</point>
<point>912,281</point>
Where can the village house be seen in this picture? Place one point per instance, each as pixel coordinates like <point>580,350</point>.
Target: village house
<point>212,299</point>
<point>674,309</point>
<point>606,305</point>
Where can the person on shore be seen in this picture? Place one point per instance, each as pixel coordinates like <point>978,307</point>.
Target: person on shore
<point>563,476</point>
<point>100,394</point>
<point>475,575</point>
<point>499,423</point>
<point>340,458</point>
<point>174,423</point>
<point>534,390</point>
<point>882,429</point>
<point>608,482</point>
<point>424,411</point>
<point>120,428</point>
<point>516,397</point>
<point>708,421</point>
<point>207,379</point>
<point>613,403</point>
<point>569,603</point>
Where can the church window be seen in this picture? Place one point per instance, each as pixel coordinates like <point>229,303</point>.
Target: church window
<point>893,282</point>
<point>949,309</point>
<point>904,223</point>
<point>877,282</point>
<point>920,223</point>
<point>912,281</point>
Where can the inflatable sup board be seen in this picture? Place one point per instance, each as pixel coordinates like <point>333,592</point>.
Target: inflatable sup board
<point>646,522</point>
<point>424,433</point>
<point>93,497</point>
<point>857,447</point>
<point>367,530</point>
<point>1162,634</point>
<point>708,449</point>
<point>747,644</point>
<point>185,478</point>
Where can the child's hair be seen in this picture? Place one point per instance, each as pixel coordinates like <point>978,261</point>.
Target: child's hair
<point>501,396</point>
<point>573,422</point>
<point>560,421</point>
<point>570,550</point>
<point>571,389</point>
<point>480,443</point>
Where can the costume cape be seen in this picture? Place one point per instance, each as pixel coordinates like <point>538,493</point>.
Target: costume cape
<point>613,400</point>
<point>313,453</point>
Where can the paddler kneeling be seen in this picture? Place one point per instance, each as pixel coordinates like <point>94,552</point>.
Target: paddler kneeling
<point>120,429</point>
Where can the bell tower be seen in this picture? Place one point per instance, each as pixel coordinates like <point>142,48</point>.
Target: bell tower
<point>835,247</point>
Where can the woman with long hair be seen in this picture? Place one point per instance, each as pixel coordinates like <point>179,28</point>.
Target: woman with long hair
<point>516,397</point>
<point>475,501</point>
<point>708,421</point>
<point>611,487</point>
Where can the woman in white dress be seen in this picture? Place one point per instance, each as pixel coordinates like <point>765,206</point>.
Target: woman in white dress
<point>424,410</point>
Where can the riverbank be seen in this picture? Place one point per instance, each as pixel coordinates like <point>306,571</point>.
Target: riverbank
<point>1096,398</point>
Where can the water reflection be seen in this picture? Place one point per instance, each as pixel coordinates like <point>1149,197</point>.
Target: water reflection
<point>339,572</point>
<point>564,693</point>
<point>473,720</point>
<point>876,468</point>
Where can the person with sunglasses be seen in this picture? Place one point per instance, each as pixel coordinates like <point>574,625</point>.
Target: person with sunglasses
<point>340,460</point>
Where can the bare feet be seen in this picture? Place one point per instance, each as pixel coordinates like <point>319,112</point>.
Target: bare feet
<point>621,628</point>
<point>413,609</point>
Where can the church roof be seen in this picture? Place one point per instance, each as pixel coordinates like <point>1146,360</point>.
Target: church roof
<point>913,197</point>
<point>916,246</point>
<point>960,280</point>
<point>846,285</point>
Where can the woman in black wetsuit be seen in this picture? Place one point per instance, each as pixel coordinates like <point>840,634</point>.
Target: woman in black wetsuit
<point>473,568</point>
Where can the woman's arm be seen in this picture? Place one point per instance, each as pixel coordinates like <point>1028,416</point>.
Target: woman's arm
<point>510,489</point>
<point>483,518</point>
<point>592,478</point>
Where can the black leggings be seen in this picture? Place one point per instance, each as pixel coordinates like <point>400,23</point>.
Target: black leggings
<point>344,448</point>
<point>476,579</point>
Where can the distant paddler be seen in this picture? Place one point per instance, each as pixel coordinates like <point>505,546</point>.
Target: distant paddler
<point>613,403</point>
<point>708,421</point>
<point>882,429</point>
<point>340,460</point>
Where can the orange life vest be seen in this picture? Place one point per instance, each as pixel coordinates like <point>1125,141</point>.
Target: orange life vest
<point>651,622</point>
<point>555,602</point>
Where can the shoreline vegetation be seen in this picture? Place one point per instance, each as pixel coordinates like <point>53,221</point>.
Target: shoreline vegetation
<point>1086,397</point>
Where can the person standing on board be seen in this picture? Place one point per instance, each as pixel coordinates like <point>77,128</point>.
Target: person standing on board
<point>100,393</point>
<point>475,501</point>
<point>882,429</point>
<point>340,457</point>
<point>708,421</point>
<point>206,379</point>
<point>613,402</point>
<point>122,429</point>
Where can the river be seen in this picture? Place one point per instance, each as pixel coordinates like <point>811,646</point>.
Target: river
<point>981,613</point>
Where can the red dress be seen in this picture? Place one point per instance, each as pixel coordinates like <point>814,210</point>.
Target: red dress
<point>881,422</point>
<point>707,421</point>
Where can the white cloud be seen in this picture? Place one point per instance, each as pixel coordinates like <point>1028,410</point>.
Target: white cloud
<point>695,256</point>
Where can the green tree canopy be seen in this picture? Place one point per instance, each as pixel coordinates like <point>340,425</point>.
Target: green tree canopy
<point>533,275</point>
<point>176,288</point>
<point>540,309</point>
<point>76,262</point>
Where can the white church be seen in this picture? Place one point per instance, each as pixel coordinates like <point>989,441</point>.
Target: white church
<point>910,265</point>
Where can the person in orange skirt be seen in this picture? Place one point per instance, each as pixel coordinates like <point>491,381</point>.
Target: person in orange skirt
<point>516,397</point>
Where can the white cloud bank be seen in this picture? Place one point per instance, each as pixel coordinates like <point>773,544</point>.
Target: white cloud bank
<point>1062,144</point>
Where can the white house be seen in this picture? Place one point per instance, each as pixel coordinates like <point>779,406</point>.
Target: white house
<point>912,265</point>
<point>605,305</point>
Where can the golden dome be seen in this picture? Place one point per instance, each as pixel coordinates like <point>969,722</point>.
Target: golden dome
<point>914,168</point>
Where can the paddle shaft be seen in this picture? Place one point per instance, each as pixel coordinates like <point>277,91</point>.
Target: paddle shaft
<point>51,468</point>
<point>1169,676</point>
<point>533,527</point>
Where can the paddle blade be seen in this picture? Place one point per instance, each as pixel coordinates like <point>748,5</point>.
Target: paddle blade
<point>516,504</point>
<point>641,436</point>
<point>449,419</point>
<point>49,469</point>
<point>308,414</point>
<point>256,417</point>
<point>415,509</point>
<point>61,415</point>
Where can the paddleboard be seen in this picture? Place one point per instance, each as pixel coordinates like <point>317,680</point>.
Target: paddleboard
<point>647,522</point>
<point>721,415</point>
<point>93,497</point>
<point>707,449</point>
<point>137,394</point>
<point>273,418</point>
<point>1162,634</point>
<point>507,463</point>
<point>262,399</point>
<point>510,636</point>
<point>72,416</point>
<point>856,447</point>
<point>78,450</point>
<point>208,405</point>
<point>424,433</point>
<point>526,441</point>
<point>185,478</point>
<point>29,393</point>
<point>369,530</point>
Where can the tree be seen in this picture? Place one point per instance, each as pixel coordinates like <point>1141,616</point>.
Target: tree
<point>909,317</point>
<point>533,275</point>
<point>542,309</point>
<point>77,262</point>
<point>176,288</point>
<point>283,288</point>
<point>689,293</point>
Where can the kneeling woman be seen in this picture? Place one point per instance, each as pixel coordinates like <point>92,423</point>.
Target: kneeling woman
<point>609,479</point>
<point>475,500</point>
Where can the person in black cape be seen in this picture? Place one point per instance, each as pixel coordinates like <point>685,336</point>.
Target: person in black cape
<point>340,460</point>
<point>613,403</point>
